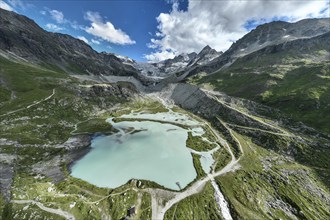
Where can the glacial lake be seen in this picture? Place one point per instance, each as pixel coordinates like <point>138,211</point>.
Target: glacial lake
<point>154,151</point>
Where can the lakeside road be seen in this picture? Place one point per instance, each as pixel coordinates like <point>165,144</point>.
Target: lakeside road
<point>158,210</point>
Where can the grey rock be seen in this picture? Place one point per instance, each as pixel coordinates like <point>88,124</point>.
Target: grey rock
<point>271,37</point>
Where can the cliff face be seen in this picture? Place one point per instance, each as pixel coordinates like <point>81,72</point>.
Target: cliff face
<point>192,98</point>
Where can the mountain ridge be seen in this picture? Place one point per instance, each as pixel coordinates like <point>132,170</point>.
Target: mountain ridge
<point>23,37</point>
<point>179,63</point>
<point>251,41</point>
<point>292,76</point>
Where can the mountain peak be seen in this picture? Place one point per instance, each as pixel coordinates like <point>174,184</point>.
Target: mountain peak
<point>207,48</point>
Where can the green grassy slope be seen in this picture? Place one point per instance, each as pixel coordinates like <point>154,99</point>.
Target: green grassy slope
<point>34,133</point>
<point>298,86</point>
<point>52,120</point>
<point>273,187</point>
<point>199,206</point>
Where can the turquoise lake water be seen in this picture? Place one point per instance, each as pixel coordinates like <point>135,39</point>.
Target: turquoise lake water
<point>157,152</point>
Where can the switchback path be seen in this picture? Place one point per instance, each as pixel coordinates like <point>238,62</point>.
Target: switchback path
<point>60,212</point>
<point>257,129</point>
<point>29,106</point>
<point>213,94</point>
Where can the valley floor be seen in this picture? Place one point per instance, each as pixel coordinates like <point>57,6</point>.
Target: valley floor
<point>262,169</point>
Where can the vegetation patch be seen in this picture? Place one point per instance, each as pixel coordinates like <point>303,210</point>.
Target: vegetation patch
<point>221,158</point>
<point>145,209</point>
<point>198,143</point>
<point>299,89</point>
<point>273,187</point>
<point>199,206</point>
<point>94,125</point>
<point>198,167</point>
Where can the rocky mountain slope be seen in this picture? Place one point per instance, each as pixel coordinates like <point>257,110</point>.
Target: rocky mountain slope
<point>277,32</point>
<point>268,34</point>
<point>291,76</point>
<point>178,63</point>
<point>206,55</point>
<point>22,38</point>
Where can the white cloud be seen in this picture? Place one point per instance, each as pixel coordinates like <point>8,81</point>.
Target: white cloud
<point>95,41</point>
<point>17,3</point>
<point>83,39</point>
<point>58,16</point>
<point>5,6</point>
<point>106,30</point>
<point>75,25</point>
<point>159,56</point>
<point>53,27</point>
<point>219,23</point>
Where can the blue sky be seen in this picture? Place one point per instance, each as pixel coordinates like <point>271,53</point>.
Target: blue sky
<point>159,29</point>
<point>136,18</point>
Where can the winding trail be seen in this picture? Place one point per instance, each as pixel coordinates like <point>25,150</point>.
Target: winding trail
<point>60,212</point>
<point>158,211</point>
<point>29,106</point>
<point>213,94</point>
<point>231,133</point>
<point>257,129</point>
<point>159,208</point>
<point>110,195</point>
<point>75,126</point>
